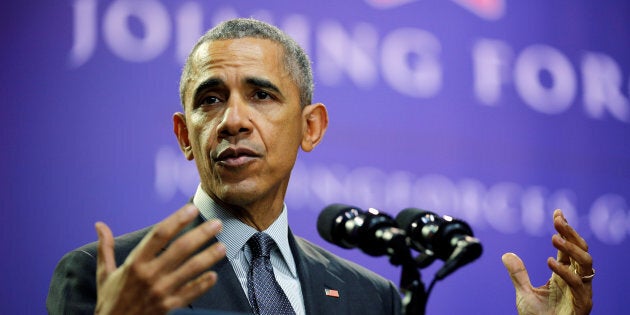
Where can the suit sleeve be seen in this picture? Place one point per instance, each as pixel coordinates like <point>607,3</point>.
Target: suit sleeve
<point>73,285</point>
<point>395,299</point>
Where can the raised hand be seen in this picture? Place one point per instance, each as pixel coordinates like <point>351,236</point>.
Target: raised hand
<point>152,281</point>
<point>569,290</point>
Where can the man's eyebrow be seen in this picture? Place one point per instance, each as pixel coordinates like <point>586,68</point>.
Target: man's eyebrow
<point>207,84</point>
<point>263,83</point>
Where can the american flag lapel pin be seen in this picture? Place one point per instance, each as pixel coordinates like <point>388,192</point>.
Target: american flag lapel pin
<point>331,293</point>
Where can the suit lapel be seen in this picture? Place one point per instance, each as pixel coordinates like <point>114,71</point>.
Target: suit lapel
<point>227,294</point>
<point>315,278</point>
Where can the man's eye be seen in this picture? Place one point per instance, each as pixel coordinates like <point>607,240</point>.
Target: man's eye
<point>262,95</point>
<point>209,100</point>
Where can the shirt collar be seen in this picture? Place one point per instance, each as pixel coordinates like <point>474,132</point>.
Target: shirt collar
<point>235,233</point>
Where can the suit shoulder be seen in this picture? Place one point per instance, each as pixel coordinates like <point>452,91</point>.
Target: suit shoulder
<point>73,285</point>
<point>341,266</point>
<point>123,244</point>
<point>377,295</point>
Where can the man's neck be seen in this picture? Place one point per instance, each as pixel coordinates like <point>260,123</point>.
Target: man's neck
<point>259,216</point>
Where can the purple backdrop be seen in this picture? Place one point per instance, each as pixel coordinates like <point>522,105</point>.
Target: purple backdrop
<point>493,111</point>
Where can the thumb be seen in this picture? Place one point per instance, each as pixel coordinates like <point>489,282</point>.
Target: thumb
<point>518,273</point>
<point>105,262</point>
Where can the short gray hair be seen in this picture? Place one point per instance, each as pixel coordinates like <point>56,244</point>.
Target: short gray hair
<point>296,62</point>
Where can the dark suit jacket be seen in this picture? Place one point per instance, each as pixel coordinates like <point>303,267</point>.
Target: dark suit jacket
<point>73,285</point>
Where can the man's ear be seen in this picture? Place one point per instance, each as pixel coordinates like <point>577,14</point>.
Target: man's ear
<point>181,132</point>
<point>315,118</point>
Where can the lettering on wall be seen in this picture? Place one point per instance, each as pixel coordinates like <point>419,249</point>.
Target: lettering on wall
<point>407,60</point>
<point>505,207</point>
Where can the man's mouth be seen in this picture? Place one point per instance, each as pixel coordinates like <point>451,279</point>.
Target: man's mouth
<point>235,156</point>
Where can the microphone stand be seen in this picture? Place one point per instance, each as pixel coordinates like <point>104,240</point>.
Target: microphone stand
<point>414,301</point>
<point>415,297</point>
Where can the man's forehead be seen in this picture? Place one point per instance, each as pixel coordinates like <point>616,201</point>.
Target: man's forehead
<point>253,57</point>
<point>249,47</point>
<point>245,53</point>
<point>254,54</point>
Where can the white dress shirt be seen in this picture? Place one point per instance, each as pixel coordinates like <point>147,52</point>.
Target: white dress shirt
<point>235,235</point>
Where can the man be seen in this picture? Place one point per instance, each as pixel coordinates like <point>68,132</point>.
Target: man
<point>246,89</point>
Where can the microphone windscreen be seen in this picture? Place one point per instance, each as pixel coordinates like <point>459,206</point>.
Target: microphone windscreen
<point>326,220</point>
<point>407,216</point>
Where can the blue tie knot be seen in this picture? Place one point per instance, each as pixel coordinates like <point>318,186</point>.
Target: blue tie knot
<point>261,245</point>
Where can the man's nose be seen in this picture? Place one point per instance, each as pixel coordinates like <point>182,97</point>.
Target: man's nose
<point>236,118</point>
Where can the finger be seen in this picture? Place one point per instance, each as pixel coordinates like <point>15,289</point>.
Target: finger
<point>582,259</point>
<point>575,252</point>
<point>186,245</point>
<point>192,268</point>
<point>163,233</point>
<point>558,221</point>
<point>564,272</point>
<point>192,290</point>
<point>518,273</point>
<point>105,261</point>
<point>568,233</point>
<point>581,291</point>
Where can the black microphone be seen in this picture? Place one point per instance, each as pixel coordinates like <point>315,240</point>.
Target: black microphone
<point>446,238</point>
<point>373,232</point>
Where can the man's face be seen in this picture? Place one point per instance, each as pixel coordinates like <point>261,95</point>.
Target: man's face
<point>243,123</point>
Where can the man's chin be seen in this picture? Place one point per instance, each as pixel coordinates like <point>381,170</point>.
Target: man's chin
<point>239,194</point>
